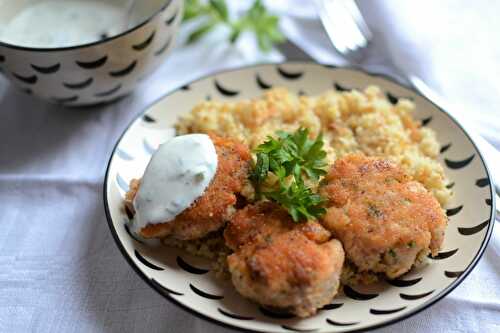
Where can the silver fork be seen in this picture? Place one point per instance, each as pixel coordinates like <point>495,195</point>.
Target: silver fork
<point>352,38</point>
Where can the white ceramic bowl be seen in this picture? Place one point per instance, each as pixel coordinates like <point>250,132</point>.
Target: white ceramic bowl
<point>189,282</point>
<point>96,72</point>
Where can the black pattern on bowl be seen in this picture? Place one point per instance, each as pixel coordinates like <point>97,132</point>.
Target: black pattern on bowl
<point>145,44</point>
<point>93,64</point>
<point>46,69</point>
<point>109,92</point>
<point>79,85</point>
<point>95,68</point>
<point>26,79</point>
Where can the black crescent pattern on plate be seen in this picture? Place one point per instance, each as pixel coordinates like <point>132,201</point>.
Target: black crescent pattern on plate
<point>79,85</point>
<point>146,43</point>
<point>190,268</point>
<point>262,85</point>
<point>122,183</point>
<point>171,20</point>
<point>234,316</point>
<point>488,201</point>
<point>164,47</point>
<point>165,290</point>
<point>403,283</point>
<point>453,274</point>
<point>467,231</point>
<point>64,100</point>
<point>445,148</point>
<point>148,119</point>
<point>289,75</point>
<point>127,229</point>
<point>225,91</point>
<point>128,212</point>
<point>46,69</point>
<point>338,323</point>
<point>409,297</point>
<point>109,92</point>
<point>204,294</point>
<point>125,71</point>
<point>340,88</point>
<point>332,306</point>
<point>356,295</point>
<point>459,164</point>
<point>290,328</point>
<point>92,64</point>
<point>454,211</point>
<point>275,314</point>
<point>145,262</point>
<point>444,255</point>
<point>388,311</point>
<point>26,79</point>
<point>482,182</point>
<point>123,155</point>
<point>426,121</point>
<point>391,98</point>
<point>147,147</point>
<point>450,185</point>
<point>166,5</point>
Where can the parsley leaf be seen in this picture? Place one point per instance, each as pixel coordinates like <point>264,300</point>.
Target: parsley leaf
<point>261,169</point>
<point>291,158</point>
<point>256,19</point>
<point>299,200</point>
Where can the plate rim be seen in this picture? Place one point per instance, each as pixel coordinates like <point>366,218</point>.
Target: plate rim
<point>414,311</point>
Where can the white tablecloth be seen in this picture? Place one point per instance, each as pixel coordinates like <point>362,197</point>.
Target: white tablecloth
<point>60,270</point>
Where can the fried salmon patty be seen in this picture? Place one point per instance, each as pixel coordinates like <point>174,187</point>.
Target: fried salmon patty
<point>210,211</point>
<point>282,264</point>
<point>383,218</point>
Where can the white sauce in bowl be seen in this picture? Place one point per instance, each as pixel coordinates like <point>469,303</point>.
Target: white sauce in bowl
<point>179,173</point>
<point>52,23</point>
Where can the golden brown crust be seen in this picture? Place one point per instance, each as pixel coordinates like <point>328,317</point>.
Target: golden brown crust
<point>383,218</point>
<point>255,223</point>
<point>130,195</point>
<point>211,210</point>
<point>282,264</point>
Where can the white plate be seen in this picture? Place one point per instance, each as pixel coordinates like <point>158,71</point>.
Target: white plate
<point>188,281</point>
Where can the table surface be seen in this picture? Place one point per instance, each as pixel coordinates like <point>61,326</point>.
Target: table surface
<point>59,267</point>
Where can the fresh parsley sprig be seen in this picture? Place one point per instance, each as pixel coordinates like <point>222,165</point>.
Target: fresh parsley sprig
<point>256,19</point>
<point>291,158</point>
<point>290,154</point>
<point>300,201</point>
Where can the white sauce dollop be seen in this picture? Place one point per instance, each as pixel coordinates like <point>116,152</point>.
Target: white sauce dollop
<point>179,173</point>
